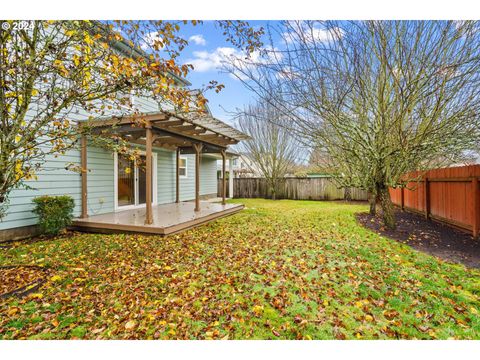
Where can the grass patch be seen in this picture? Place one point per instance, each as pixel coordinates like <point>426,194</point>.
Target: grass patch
<point>277,270</point>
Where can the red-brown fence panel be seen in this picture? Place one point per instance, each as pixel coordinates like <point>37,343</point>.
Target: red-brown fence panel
<point>449,195</point>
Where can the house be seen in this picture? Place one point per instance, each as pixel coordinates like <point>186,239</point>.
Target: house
<point>242,165</point>
<point>117,194</point>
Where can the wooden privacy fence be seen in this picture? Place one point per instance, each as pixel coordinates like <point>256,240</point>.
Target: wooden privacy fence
<point>295,189</point>
<point>449,195</point>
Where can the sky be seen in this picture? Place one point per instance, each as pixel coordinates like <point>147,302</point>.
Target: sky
<point>204,52</point>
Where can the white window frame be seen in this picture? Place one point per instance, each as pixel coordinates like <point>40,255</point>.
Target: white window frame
<point>186,167</point>
<point>115,184</point>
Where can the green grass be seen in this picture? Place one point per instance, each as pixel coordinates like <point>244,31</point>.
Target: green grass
<point>277,270</point>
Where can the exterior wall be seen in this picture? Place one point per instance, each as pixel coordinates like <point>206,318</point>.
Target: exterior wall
<point>100,185</point>
<point>165,176</point>
<point>187,184</point>
<point>208,176</point>
<point>54,179</point>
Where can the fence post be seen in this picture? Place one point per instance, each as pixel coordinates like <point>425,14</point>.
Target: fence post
<point>402,198</point>
<point>476,207</point>
<point>427,197</point>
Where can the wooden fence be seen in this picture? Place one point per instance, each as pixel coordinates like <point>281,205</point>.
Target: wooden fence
<point>449,195</point>
<point>295,189</point>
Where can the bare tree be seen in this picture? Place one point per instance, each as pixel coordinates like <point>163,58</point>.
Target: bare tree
<point>381,98</point>
<point>272,148</point>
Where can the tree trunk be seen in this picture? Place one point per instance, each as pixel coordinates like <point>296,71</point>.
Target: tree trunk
<point>387,208</point>
<point>372,199</point>
<point>273,189</point>
<point>348,194</point>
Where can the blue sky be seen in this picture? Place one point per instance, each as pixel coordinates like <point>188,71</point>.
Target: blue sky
<point>204,51</point>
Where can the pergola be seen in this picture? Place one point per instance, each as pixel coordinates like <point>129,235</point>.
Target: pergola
<point>185,134</point>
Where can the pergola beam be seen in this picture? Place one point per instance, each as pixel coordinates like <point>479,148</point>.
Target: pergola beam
<point>173,122</point>
<point>195,131</point>
<point>127,120</point>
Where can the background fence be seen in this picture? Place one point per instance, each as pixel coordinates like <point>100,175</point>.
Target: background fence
<point>450,195</point>
<point>295,189</point>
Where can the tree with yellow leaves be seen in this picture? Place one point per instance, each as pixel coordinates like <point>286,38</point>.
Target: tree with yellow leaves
<point>53,73</point>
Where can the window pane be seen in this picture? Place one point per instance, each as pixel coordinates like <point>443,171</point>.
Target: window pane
<point>142,181</point>
<point>182,171</point>
<point>183,163</point>
<point>125,184</point>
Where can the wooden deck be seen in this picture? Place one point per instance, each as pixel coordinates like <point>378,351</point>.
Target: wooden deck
<point>167,218</point>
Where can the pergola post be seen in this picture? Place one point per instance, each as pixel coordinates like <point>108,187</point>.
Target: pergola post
<point>148,174</point>
<point>83,161</point>
<point>177,177</point>
<point>198,150</point>
<point>224,173</point>
<point>230,178</point>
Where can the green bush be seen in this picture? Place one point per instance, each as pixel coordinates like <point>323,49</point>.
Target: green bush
<point>55,213</point>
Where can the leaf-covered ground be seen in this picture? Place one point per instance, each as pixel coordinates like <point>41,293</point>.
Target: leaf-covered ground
<point>279,270</point>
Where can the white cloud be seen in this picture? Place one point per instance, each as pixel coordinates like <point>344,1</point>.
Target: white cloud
<point>198,39</point>
<point>206,61</point>
<point>310,33</point>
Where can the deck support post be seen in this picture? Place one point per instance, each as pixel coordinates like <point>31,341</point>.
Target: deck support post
<point>177,177</point>
<point>230,178</point>
<point>83,160</point>
<point>148,174</point>
<point>224,173</point>
<point>198,149</point>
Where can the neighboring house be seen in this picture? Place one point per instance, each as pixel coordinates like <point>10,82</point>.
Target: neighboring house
<point>243,166</point>
<point>114,194</point>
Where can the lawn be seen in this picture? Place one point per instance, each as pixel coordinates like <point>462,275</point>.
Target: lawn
<point>277,270</point>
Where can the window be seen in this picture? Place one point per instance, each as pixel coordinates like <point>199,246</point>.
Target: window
<point>182,169</point>
<point>234,162</point>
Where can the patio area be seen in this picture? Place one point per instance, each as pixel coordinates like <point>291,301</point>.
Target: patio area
<point>167,218</point>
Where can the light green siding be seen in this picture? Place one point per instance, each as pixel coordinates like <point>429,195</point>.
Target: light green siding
<point>187,184</point>
<point>208,176</point>
<point>54,179</point>
<point>165,176</point>
<point>100,185</point>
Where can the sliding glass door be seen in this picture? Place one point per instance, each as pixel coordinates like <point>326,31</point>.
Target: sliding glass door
<point>132,181</point>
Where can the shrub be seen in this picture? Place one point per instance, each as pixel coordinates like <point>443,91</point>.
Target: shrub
<point>55,212</point>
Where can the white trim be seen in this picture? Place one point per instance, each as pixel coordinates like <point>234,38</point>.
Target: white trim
<point>115,181</point>
<point>115,184</point>
<point>186,167</point>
